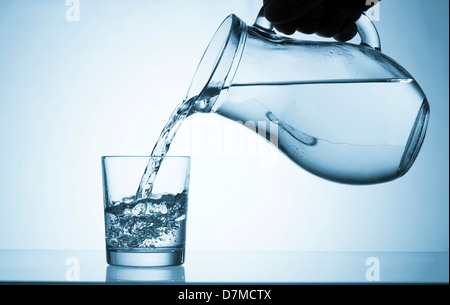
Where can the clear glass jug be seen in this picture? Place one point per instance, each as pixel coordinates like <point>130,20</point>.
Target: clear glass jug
<point>345,112</point>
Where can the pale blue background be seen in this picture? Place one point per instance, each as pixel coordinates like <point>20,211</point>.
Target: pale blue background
<point>71,92</point>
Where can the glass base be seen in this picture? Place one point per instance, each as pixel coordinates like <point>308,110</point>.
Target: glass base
<point>145,258</point>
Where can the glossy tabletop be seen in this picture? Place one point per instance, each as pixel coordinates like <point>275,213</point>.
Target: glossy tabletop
<point>54,266</point>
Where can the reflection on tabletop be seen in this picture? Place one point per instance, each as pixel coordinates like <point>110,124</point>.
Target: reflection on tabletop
<point>173,274</point>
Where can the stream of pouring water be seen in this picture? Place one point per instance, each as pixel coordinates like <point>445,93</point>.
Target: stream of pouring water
<point>162,146</point>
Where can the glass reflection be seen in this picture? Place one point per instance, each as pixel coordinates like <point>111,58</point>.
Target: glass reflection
<point>173,274</point>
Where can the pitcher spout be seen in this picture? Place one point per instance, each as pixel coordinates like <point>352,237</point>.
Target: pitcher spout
<point>219,63</point>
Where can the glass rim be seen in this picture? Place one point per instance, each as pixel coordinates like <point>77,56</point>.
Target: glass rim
<point>144,156</point>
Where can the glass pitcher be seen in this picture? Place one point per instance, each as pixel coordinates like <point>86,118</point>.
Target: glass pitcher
<point>342,111</point>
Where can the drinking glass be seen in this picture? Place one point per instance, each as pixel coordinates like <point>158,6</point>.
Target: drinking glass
<point>145,232</point>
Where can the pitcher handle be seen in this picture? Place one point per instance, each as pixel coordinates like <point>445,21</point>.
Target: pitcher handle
<point>368,32</point>
<point>366,29</point>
